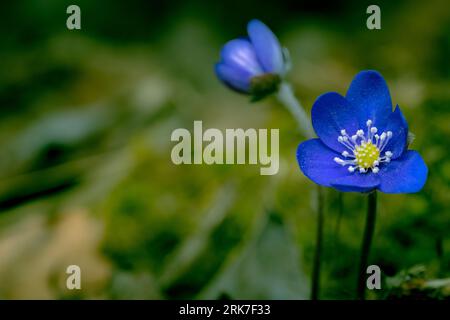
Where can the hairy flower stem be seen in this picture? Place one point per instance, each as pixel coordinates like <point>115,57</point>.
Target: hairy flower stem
<point>315,286</point>
<point>286,96</point>
<point>340,213</point>
<point>367,242</point>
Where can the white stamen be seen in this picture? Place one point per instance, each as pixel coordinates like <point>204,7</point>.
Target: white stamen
<point>346,142</point>
<point>339,161</point>
<point>363,156</point>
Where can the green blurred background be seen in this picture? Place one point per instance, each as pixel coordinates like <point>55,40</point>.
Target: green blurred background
<point>86,176</point>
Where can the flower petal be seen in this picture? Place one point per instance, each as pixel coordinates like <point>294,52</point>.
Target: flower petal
<point>236,79</point>
<point>267,47</point>
<point>406,174</point>
<point>330,114</point>
<point>357,182</point>
<point>240,54</point>
<point>399,127</point>
<point>369,93</point>
<point>316,162</point>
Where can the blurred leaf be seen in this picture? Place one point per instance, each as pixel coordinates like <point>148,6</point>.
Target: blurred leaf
<point>269,267</point>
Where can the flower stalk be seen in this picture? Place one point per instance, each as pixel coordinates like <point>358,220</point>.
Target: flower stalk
<point>340,213</point>
<point>287,97</point>
<point>315,286</point>
<point>366,244</point>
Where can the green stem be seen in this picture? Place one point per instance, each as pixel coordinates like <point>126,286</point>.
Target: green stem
<point>337,257</point>
<point>315,286</point>
<point>366,244</point>
<point>287,97</point>
<point>340,205</point>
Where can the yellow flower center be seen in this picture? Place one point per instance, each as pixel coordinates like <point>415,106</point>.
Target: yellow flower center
<point>367,155</point>
<point>364,149</point>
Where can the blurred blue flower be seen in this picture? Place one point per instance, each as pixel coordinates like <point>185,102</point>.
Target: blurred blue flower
<point>255,64</point>
<point>362,143</point>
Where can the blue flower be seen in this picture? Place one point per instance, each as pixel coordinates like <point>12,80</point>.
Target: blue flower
<point>362,143</point>
<point>253,65</point>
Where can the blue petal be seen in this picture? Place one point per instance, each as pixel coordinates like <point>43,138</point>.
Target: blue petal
<point>236,79</point>
<point>240,54</point>
<point>316,162</point>
<point>399,127</point>
<point>357,182</point>
<point>369,93</point>
<point>330,114</point>
<point>406,174</point>
<point>267,47</point>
